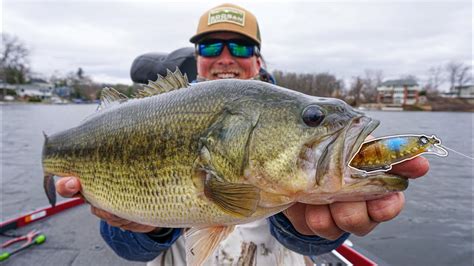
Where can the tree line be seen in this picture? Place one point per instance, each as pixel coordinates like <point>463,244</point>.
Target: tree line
<point>15,69</point>
<point>363,88</point>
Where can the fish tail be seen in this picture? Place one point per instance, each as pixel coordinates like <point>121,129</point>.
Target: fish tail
<point>50,188</point>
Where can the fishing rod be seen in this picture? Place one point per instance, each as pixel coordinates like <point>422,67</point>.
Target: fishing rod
<point>39,214</point>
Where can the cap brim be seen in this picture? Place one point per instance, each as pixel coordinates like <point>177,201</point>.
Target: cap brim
<point>198,37</point>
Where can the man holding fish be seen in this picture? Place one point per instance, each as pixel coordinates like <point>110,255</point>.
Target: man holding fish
<point>228,45</point>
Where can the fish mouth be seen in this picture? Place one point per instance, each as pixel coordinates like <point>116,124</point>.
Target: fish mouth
<point>361,181</point>
<point>338,149</point>
<point>356,134</point>
<point>333,173</point>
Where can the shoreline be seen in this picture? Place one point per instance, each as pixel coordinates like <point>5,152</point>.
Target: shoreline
<point>467,108</point>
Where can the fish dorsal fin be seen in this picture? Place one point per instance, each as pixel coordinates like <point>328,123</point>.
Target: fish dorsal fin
<point>110,96</point>
<point>201,242</point>
<point>172,81</point>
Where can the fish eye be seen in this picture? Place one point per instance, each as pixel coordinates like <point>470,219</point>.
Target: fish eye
<point>312,116</point>
<point>424,140</point>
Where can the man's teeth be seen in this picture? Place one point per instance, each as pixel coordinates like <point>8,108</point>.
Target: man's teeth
<point>226,75</point>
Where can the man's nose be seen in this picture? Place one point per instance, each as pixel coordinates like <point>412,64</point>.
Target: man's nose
<point>225,58</point>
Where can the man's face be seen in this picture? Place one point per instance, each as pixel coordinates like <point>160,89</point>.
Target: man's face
<point>225,65</point>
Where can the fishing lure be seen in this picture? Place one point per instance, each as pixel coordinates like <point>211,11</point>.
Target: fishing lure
<point>382,153</point>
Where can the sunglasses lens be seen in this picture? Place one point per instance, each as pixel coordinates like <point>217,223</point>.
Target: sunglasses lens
<point>214,48</point>
<point>210,49</point>
<point>241,50</point>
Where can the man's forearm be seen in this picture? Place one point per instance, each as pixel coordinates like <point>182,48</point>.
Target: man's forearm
<point>138,246</point>
<point>282,229</point>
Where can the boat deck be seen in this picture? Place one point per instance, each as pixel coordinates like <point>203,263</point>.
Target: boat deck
<point>72,238</point>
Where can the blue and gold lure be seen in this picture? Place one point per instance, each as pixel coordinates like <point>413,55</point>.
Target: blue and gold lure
<point>382,153</point>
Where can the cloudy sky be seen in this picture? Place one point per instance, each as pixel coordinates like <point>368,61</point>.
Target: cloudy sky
<point>340,37</point>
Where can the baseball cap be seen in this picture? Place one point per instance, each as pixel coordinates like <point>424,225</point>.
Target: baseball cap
<point>231,18</point>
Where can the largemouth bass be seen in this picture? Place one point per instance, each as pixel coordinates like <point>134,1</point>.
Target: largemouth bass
<point>213,154</point>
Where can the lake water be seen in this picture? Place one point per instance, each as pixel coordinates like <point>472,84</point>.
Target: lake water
<point>435,228</point>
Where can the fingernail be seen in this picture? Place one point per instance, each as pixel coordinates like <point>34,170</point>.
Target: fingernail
<point>71,183</point>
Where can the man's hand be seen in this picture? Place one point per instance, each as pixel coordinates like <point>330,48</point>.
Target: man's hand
<point>332,220</point>
<point>70,186</point>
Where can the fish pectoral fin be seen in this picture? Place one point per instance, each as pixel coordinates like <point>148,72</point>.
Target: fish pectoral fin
<point>49,188</point>
<point>201,242</point>
<point>240,200</point>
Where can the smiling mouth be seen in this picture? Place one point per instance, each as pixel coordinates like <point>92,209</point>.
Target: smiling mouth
<point>226,75</point>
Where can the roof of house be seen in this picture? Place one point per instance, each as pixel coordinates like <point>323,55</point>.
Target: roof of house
<point>37,80</point>
<point>399,83</point>
<point>463,87</point>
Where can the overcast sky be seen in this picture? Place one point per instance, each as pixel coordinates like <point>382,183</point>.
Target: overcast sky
<point>340,37</point>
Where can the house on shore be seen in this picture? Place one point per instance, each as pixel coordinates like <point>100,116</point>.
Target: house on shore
<point>7,90</point>
<point>465,92</point>
<point>37,88</point>
<point>399,92</point>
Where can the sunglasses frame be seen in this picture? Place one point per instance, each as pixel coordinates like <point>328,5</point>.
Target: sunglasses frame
<point>256,51</point>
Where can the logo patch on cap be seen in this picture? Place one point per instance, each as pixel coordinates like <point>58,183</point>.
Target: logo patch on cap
<point>226,14</point>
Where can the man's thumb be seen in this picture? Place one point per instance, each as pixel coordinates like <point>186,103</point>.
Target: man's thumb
<point>68,186</point>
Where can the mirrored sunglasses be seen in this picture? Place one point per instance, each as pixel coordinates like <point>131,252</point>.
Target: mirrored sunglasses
<point>237,48</point>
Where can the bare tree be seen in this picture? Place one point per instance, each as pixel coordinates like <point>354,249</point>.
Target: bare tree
<point>372,79</point>
<point>464,75</point>
<point>80,73</point>
<point>14,61</point>
<point>357,86</point>
<point>435,79</point>
<point>458,75</point>
<point>320,84</point>
<point>453,69</point>
<point>326,85</point>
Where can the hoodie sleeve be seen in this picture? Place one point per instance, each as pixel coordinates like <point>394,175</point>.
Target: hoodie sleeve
<point>282,229</point>
<point>136,246</point>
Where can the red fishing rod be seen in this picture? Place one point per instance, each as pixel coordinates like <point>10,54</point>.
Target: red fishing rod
<point>38,214</point>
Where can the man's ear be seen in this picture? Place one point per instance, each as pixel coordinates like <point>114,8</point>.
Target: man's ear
<point>259,62</point>
<point>196,54</point>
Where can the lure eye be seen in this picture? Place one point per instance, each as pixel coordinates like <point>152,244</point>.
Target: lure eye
<point>312,116</point>
<point>424,140</point>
